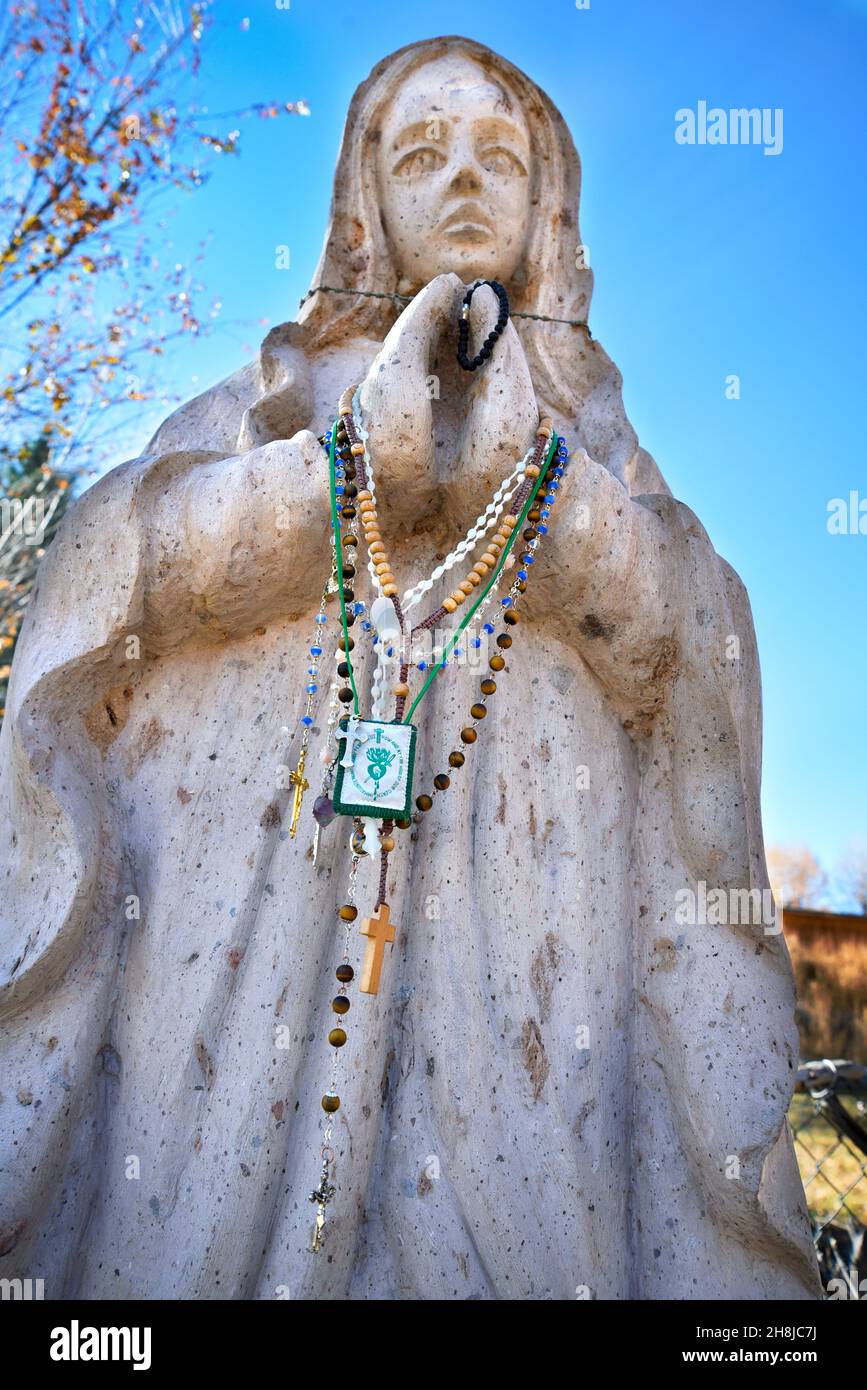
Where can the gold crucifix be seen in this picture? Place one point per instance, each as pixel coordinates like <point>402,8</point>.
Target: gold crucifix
<point>300,783</point>
<point>379,931</point>
<point>318,1231</point>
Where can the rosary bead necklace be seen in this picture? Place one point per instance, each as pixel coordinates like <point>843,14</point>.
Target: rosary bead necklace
<point>369,778</point>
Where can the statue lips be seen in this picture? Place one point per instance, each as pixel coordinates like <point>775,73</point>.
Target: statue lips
<point>469,223</point>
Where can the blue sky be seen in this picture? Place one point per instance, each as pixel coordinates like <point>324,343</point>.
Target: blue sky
<point>709,261</point>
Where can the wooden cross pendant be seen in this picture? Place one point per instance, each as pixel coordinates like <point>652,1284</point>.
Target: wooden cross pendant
<point>379,930</point>
<point>301,785</point>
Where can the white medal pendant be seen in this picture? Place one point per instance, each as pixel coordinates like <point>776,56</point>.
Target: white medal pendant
<point>375,767</point>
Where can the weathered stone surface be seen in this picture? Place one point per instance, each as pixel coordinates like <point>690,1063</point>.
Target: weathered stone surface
<point>552,1086</point>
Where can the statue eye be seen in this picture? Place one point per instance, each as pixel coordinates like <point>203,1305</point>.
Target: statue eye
<point>499,160</point>
<point>422,161</point>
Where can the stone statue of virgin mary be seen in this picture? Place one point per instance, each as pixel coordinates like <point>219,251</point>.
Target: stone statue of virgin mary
<point>564,1088</point>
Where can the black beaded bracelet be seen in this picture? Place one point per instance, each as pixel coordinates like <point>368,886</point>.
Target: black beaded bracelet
<point>468,364</point>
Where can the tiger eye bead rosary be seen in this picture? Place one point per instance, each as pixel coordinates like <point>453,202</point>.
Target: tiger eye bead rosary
<point>368,777</point>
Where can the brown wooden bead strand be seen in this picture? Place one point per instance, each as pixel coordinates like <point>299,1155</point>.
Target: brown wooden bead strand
<point>369,520</point>
<point>357,501</point>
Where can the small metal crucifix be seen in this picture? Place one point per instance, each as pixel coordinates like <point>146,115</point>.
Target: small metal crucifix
<point>301,785</point>
<point>379,930</point>
<point>322,1195</point>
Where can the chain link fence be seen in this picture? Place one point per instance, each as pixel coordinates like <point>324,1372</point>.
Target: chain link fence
<point>828,1116</point>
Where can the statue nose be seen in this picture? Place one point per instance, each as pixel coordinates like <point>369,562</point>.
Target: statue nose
<point>467,178</point>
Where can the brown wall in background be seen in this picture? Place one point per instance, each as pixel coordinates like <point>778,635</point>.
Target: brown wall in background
<point>829,954</point>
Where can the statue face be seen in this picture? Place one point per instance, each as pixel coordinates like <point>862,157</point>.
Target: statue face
<point>453,173</point>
